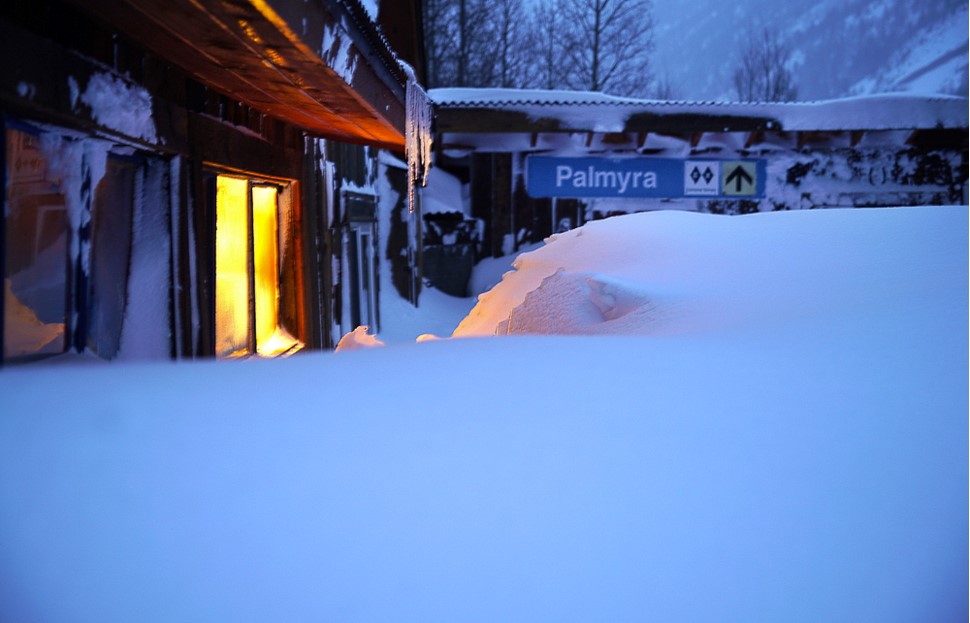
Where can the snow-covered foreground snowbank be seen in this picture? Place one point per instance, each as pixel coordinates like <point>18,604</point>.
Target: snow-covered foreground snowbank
<point>805,464</point>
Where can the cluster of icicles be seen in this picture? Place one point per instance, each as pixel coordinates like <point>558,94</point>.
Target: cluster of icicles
<point>418,137</point>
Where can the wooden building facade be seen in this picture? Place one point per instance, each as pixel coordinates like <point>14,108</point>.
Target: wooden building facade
<point>193,178</point>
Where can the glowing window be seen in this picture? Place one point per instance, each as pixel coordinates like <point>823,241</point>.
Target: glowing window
<point>248,264</point>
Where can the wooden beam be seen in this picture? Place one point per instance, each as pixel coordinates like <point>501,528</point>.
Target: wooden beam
<point>616,138</point>
<point>482,119</point>
<point>703,120</point>
<point>457,146</point>
<point>939,138</point>
<point>754,138</point>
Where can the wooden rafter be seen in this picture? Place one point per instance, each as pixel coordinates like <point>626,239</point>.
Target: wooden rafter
<point>754,138</point>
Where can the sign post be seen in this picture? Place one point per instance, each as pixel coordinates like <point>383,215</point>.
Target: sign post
<point>550,176</point>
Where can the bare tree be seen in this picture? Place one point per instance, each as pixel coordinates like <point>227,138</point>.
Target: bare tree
<point>762,72</point>
<point>596,45</point>
<point>439,41</point>
<point>476,41</point>
<point>609,45</point>
<point>509,27</point>
<point>544,49</point>
<point>663,88</point>
<point>459,42</point>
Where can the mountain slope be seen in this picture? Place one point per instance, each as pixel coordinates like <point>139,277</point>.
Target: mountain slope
<point>840,47</point>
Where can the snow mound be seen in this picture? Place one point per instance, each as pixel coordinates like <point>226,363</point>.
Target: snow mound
<point>357,339</point>
<point>806,464</point>
<point>581,303</point>
<point>677,272</point>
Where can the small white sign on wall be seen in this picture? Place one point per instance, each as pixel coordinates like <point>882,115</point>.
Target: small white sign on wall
<point>701,177</point>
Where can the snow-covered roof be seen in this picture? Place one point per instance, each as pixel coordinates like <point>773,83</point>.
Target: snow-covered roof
<point>541,97</point>
<point>599,112</point>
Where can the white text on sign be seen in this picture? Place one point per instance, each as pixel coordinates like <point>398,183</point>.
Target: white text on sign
<point>607,179</point>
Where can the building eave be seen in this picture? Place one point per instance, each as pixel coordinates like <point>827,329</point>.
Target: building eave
<point>309,64</point>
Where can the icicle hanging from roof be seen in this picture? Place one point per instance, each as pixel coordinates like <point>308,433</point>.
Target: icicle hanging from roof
<point>418,137</point>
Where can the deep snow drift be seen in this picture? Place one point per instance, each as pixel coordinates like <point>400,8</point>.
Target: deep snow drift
<point>677,272</point>
<point>779,435</point>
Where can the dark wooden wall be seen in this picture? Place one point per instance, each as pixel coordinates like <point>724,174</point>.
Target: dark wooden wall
<point>208,131</point>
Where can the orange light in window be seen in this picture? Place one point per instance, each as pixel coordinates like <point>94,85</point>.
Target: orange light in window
<point>271,338</point>
<point>232,267</point>
<point>248,286</point>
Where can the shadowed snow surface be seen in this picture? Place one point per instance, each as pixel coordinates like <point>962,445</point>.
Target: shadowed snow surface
<point>773,442</point>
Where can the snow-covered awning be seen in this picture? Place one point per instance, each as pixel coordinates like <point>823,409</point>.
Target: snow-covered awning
<point>514,110</point>
<point>322,66</point>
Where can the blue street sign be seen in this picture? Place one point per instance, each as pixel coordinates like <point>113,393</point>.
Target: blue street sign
<point>549,176</point>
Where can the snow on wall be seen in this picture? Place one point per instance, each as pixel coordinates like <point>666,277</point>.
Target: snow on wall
<point>336,52</point>
<point>864,177</point>
<point>443,193</point>
<point>387,198</point>
<point>26,90</point>
<point>387,201</point>
<point>145,333</point>
<point>119,106</point>
<point>175,216</point>
<point>78,166</point>
<point>75,90</point>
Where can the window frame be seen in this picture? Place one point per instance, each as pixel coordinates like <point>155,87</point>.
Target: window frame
<point>71,266</point>
<point>288,191</point>
<point>79,283</point>
<point>3,236</point>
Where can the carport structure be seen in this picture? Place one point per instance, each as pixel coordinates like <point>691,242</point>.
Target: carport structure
<point>881,150</point>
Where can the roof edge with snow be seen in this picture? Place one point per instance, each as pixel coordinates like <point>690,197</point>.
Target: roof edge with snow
<point>514,110</point>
